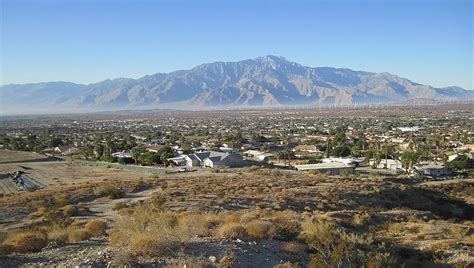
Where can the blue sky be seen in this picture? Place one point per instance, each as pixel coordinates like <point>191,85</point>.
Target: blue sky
<point>87,41</point>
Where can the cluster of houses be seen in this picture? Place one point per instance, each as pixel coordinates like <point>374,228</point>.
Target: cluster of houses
<point>245,155</point>
<point>210,159</point>
<point>233,140</point>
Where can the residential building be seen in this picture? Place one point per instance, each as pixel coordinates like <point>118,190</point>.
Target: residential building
<point>333,168</point>
<point>392,164</point>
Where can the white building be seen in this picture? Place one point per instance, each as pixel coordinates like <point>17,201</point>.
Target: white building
<point>392,164</point>
<point>331,168</point>
<point>432,169</point>
<point>213,159</point>
<point>122,154</point>
<point>343,160</point>
<point>216,160</point>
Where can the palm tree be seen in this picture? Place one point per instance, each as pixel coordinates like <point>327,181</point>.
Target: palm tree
<point>387,149</point>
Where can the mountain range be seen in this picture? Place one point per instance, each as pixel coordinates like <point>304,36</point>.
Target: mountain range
<point>263,81</point>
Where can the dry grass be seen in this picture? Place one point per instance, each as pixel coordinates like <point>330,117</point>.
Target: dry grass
<point>287,265</point>
<point>227,261</point>
<point>58,235</point>
<point>152,231</point>
<point>258,229</point>
<point>77,234</point>
<point>231,230</point>
<point>293,248</point>
<point>96,228</point>
<point>287,200</point>
<point>28,241</point>
<point>6,249</point>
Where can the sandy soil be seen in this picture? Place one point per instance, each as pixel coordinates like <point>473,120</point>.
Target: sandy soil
<point>46,172</point>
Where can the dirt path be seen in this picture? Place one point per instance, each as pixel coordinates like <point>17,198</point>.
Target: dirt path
<point>103,208</point>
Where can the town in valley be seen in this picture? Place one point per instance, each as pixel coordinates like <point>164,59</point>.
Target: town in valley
<point>390,184</point>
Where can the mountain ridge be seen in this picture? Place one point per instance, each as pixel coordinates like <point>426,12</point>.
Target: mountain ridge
<point>262,81</point>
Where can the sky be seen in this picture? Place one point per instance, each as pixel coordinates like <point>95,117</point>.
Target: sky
<point>87,41</point>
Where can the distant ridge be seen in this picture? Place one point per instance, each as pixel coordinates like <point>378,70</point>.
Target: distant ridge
<point>263,81</point>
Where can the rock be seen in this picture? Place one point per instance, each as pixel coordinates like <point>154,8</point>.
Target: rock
<point>212,259</point>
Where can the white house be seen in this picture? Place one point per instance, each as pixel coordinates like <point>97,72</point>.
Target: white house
<point>432,169</point>
<point>122,154</point>
<point>196,159</point>
<point>392,164</point>
<point>259,155</point>
<point>265,156</point>
<point>343,160</point>
<point>310,148</point>
<point>331,168</point>
<point>253,153</point>
<point>179,160</point>
<point>66,149</point>
<point>217,159</point>
<point>213,159</point>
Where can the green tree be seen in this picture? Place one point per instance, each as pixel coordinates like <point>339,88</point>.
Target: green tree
<point>460,163</point>
<point>341,151</point>
<point>149,158</point>
<point>87,151</point>
<point>409,159</point>
<point>187,149</point>
<point>165,153</point>
<point>54,142</point>
<point>99,150</point>
<point>136,152</point>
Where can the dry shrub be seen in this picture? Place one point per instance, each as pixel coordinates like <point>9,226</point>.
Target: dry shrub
<point>293,248</point>
<point>152,247</point>
<point>70,211</point>
<point>258,229</point>
<point>191,262</point>
<point>458,232</point>
<point>194,223</point>
<point>287,226</point>
<point>6,249</point>
<point>96,228</point>
<point>28,241</point>
<point>360,219</point>
<point>230,216</point>
<point>125,259</point>
<point>120,205</point>
<point>77,234</point>
<point>287,265</point>
<point>330,250</point>
<point>441,244</point>
<point>227,261</point>
<point>151,231</point>
<point>58,235</point>
<point>231,230</point>
<point>109,191</point>
<point>40,211</point>
<point>249,216</point>
<point>126,212</point>
<point>335,248</point>
<point>61,200</point>
<point>76,223</point>
<point>403,227</point>
<point>35,214</point>
<point>159,198</point>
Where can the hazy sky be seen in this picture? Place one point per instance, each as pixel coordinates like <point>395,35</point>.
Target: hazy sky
<point>87,41</point>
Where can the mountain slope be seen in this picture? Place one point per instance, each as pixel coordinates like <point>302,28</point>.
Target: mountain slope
<point>267,80</point>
